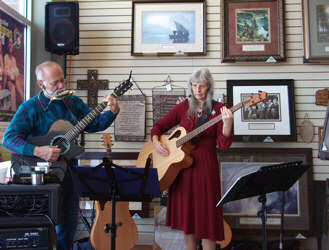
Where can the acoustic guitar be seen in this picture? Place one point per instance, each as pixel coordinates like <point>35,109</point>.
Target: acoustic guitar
<point>180,146</point>
<point>227,236</point>
<point>127,235</point>
<point>62,134</point>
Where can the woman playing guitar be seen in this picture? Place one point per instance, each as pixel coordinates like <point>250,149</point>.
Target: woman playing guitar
<point>196,189</point>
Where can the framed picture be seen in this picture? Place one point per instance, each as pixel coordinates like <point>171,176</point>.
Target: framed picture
<point>168,28</point>
<point>271,120</point>
<point>252,30</point>
<point>298,205</point>
<point>324,140</point>
<point>320,131</point>
<point>316,33</point>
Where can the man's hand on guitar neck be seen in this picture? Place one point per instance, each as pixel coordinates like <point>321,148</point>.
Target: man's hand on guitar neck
<point>48,153</point>
<point>160,147</point>
<point>112,103</point>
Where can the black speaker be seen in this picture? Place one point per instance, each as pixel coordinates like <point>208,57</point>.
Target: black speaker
<point>62,28</point>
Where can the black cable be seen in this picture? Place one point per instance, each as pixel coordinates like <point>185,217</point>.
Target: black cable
<point>52,227</point>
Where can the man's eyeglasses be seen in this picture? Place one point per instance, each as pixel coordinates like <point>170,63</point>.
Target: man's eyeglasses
<point>54,83</point>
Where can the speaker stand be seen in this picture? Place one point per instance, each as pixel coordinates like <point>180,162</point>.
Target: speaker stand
<point>64,65</point>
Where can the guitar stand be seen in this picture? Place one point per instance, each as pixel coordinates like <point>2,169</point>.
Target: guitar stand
<point>120,184</point>
<point>263,214</point>
<point>265,180</point>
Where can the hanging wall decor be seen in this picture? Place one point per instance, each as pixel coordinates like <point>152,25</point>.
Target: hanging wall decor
<point>316,32</point>
<point>268,121</point>
<point>168,28</point>
<point>130,122</point>
<point>252,30</point>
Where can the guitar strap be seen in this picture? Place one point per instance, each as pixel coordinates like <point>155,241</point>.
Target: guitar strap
<point>202,119</point>
<point>75,120</point>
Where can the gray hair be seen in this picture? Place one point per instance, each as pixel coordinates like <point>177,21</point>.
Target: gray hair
<point>200,75</point>
<point>39,70</point>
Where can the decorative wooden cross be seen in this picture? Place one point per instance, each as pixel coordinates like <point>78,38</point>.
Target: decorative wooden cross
<point>92,85</point>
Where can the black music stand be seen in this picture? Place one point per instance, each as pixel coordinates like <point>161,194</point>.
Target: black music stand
<point>265,180</point>
<point>110,182</point>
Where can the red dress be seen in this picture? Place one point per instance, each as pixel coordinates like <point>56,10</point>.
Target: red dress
<point>193,196</point>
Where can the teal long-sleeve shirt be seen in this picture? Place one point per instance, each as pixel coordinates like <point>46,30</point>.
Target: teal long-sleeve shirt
<point>35,116</point>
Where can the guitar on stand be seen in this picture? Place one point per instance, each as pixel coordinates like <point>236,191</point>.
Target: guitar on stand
<point>127,234</point>
<point>227,236</point>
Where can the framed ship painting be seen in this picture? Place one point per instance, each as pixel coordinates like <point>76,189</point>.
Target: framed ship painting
<point>168,28</point>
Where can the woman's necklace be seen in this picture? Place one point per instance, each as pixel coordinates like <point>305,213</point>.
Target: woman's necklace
<point>199,112</point>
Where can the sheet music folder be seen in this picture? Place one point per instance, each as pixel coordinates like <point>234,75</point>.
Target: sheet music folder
<point>131,183</point>
<point>265,180</point>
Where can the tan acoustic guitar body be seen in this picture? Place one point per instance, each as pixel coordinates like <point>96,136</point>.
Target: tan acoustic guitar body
<point>126,236</point>
<point>227,236</point>
<point>168,167</point>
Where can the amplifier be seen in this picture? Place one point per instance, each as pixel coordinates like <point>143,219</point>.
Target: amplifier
<point>19,202</point>
<point>39,238</point>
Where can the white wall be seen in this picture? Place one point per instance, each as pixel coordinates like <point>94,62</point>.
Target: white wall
<point>105,43</point>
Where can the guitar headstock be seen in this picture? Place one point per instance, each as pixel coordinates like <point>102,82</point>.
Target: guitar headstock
<point>255,98</point>
<point>107,141</point>
<point>123,87</point>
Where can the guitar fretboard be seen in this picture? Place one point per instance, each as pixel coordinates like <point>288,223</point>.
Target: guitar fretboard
<point>78,128</point>
<point>204,126</point>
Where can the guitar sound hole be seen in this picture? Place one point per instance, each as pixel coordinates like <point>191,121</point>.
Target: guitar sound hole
<point>62,143</point>
<point>176,134</point>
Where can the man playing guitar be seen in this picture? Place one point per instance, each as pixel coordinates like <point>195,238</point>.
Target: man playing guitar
<point>36,116</point>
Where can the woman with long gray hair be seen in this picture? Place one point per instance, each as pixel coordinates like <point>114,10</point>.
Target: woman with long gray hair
<point>193,196</point>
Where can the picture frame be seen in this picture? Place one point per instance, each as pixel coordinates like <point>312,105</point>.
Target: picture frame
<point>320,132</point>
<point>272,120</point>
<point>242,215</point>
<point>315,38</point>
<point>168,28</point>
<point>324,142</point>
<point>252,30</point>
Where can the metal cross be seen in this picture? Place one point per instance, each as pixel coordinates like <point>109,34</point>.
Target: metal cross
<point>92,85</point>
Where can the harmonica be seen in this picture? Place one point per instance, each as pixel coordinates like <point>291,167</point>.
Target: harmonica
<point>62,94</point>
